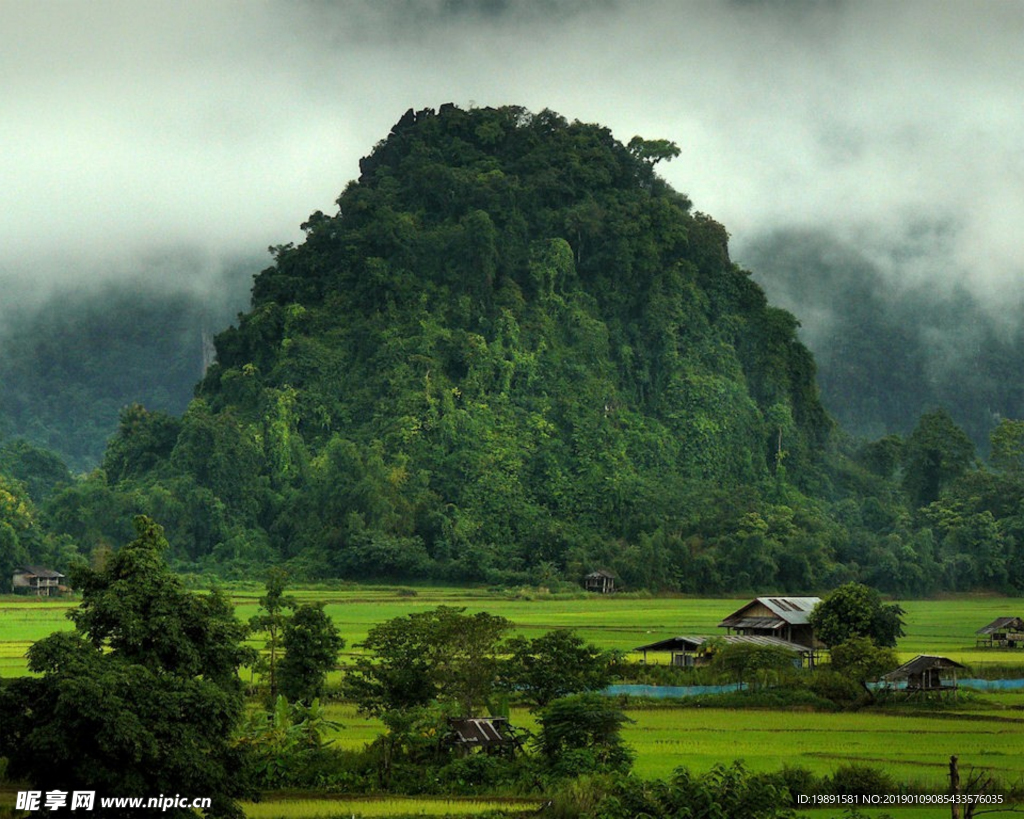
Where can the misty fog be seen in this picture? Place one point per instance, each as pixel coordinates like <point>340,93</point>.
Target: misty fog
<point>865,157</point>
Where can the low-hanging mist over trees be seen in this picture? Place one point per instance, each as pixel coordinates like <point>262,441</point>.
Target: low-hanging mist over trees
<point>887,349</point>
<point>71,361</point>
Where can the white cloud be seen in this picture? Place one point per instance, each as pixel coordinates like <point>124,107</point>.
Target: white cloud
<point>126,126</point>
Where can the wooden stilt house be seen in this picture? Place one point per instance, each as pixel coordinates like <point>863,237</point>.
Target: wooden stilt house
<point>925,674</point>
<point>1003,632</point>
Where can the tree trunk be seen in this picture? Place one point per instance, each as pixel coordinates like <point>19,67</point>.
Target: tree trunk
<point>954,787</point>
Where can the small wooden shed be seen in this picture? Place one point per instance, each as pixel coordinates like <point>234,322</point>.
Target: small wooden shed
<point>489,734</point>
<point>925,673</point>
<point>600,582</point>
<point>694,651</point>
<point>36,579</point>
<point>682,651</point>
<point>1003,632</point>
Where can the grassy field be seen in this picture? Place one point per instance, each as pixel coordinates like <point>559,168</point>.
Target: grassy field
<point>943,627</point>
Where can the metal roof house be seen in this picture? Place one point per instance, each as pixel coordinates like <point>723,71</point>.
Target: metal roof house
<point>785,618</point>
<point>1003,632</point>
<point>925,673</point>
<point>36,579</point>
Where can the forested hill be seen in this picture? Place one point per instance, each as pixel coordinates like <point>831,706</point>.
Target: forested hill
<point>515,355</point>
<point>513,344</point>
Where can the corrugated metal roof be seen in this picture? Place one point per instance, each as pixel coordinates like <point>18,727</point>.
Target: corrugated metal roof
<point>39,571</point>
<point>793,610</point>
<point>690,643</point>
<point>757,622</point>
<point>675,644</point>
<point>482,730</point>
<point>759,640</point>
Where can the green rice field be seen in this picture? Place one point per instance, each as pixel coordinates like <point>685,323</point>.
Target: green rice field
<point>943,627</point>
<point>913,748</point>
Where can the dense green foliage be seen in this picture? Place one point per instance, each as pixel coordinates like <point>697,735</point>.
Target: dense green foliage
<point>440,655</point>
<point>515,355</point>
<point>141,698</point>
<point>755,665</point>
<point>725,792</point>
<point>554,665</point>
<point>269,623</point>
<point>513,347</point>
<point>860,659</point>
<point>27,476</point>
<point>301,644</point>
<point>582,733</point>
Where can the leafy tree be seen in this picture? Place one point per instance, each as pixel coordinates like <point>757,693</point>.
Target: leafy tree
<point>747,662</point>
<point>281,745</point>
<point>311,643</point>
<point>17,519</point>
<point>855,610</point>
<point>439,655</point>
<point>142,697</point>
<point>882,456</point>
<point>555,665</point>
<point>92,512</point>
<point>144,441</point>
<point>40,470</point>
<point>936,453</point>
<point>653,151</point>
<point>271,621</point>
<point>582,733</point>
<point>859,659</point>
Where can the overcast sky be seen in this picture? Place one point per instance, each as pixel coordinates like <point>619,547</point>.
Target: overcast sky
<point>132,129</point>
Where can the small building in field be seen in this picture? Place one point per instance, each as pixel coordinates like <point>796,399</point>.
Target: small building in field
<point>682,651</point>
<point>784,618</point>
<point>695,651</point>
<point>925,673</point>
<point>37,580</point>
<point>1003,632</point>
<point>492,735</point>
<point>599,582</point>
